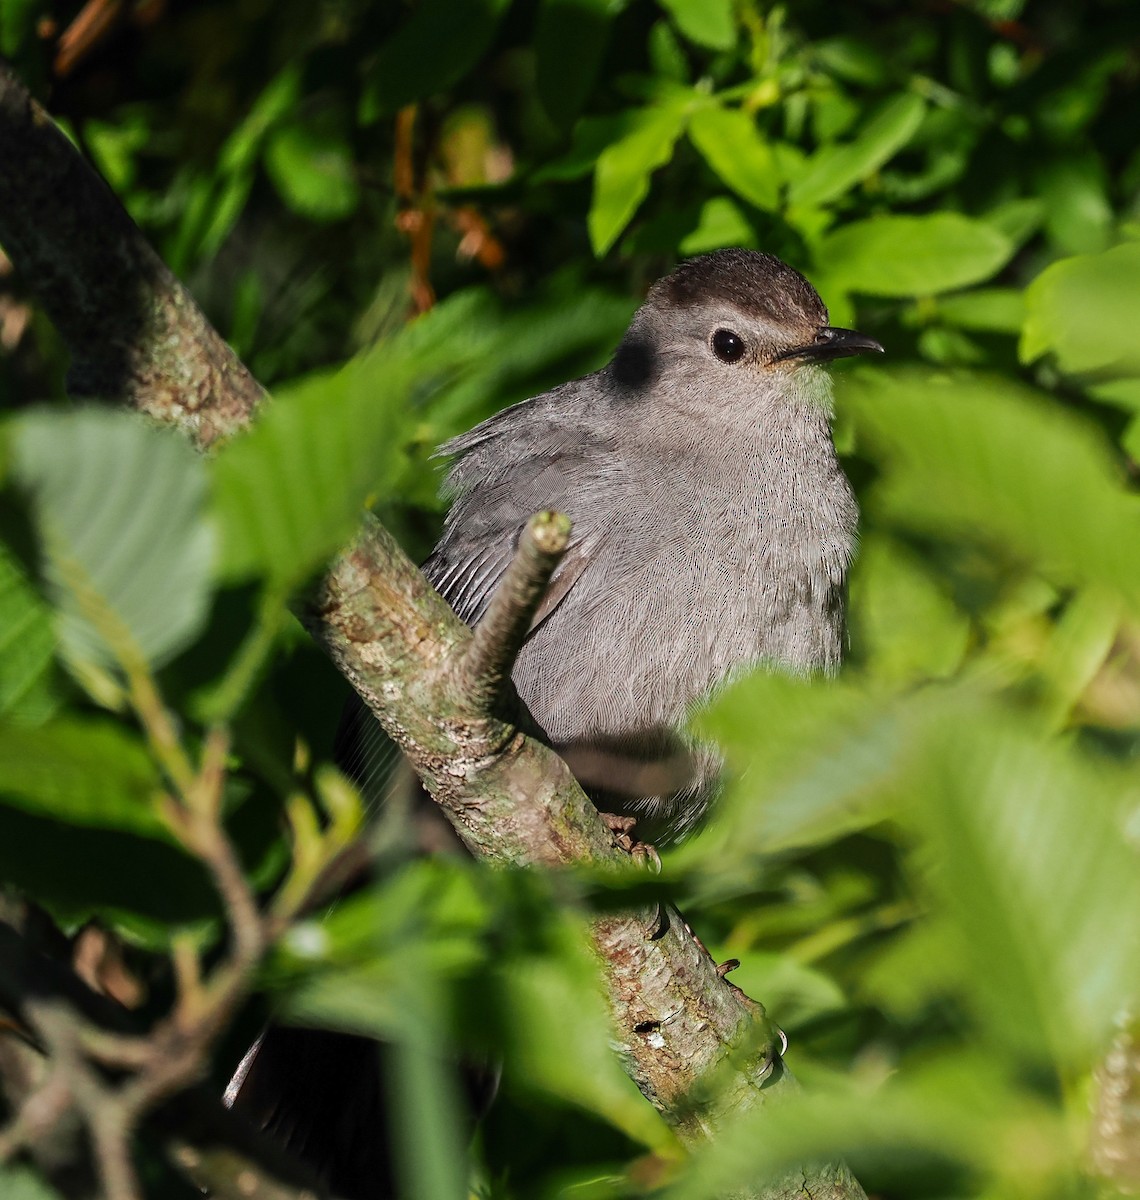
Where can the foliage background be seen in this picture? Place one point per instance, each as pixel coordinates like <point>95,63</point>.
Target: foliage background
<point>927,867</point>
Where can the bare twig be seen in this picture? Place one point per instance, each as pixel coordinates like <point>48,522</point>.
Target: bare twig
<point>486,665</point>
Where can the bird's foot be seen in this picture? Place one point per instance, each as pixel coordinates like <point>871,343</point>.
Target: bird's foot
<point>642,852</point>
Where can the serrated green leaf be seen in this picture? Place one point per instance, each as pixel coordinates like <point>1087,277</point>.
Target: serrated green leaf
<point>437,44</point>
<point>833,170</point>
<point>913,256</point>
<point>621,179</point>
<point>81,772</point>
<point>708,23</point>
<point>120,509</point>
<point>1085,312</point>
<point>807,761</point>
<point>1027,857</point>
<point>313,172</point>
<point>976,457</point>
<point>569,43</point>
<point>731,144</point>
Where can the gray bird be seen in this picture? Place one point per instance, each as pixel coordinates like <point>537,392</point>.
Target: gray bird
<point>712,531</point>
<point>713,525</point>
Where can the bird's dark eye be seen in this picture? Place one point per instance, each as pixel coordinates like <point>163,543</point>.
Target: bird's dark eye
<point>728,346</point>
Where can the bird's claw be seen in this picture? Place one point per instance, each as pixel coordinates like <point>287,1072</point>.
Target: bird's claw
<point>643,852</point>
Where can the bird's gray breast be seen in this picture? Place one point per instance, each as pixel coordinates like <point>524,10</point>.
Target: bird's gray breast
<point>714,558</point>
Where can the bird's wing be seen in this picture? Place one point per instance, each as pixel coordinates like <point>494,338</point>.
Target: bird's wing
<point>500,479</point>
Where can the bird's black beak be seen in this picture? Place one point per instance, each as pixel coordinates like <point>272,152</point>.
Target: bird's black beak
<point>832,343</point>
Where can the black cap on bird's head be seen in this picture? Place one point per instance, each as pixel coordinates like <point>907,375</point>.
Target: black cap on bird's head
<point>762,289</point>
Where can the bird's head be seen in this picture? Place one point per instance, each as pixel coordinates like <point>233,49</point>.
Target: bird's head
<point>731,318</point>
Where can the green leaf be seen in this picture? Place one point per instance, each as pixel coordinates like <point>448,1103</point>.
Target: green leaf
<point>120,509</point>
<point>977,457</point>
<point>27,647</point>
<point>570,41</point>
<point>1078,213</point>
<point>1027,857</point>
<point>987,310</point>
<point>888,579</point>
<point>313,172</point>
<point>82,772</point>
<point>1084,311</point>
<point>913,256</point>
<point>621,180</point>
<point>18,24</point>
<point>290,492</point>
<point>706,22</point>
<point>733,147</point>
<point>833,170</point>
<point>22,1183</point>
<point>436,46</point>
<point>721,224</point>
<point>807,760</point>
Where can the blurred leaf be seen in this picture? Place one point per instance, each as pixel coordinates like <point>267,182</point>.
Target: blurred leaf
<point>313,171</point>
<point>1026,856</point>
<point>808,761</point>
<point>1085,311</point>
<point>997,310</point>
<point>1078,215</point>
<point>436,45</point>
<point>955,1114</point>
<point>570,41</point>
<point>833,170</point>
<point>886,581</point>
<point>721,224</point>
<point>731,144</point>
<point>793,992</point>
<point>22,1183</point>
<point>559,990</point>
<point>120,507</point>
<point>913,256</point>
<point>27,647</point>
<point>974,456</point>
<point>621,180</point>
<point>17,24</point>
<point>854,59</point>
<point>1018,219</point>
<point>277,99</point>
<point>706,22</point>
<point>83,772</point>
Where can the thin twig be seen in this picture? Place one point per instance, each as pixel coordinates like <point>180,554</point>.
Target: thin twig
<point>486,664</point>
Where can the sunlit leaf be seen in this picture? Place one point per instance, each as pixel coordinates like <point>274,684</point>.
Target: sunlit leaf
<point>721,224</point>
<point>1025,854</point>
<point>997,310</point>
<point>730,142</point>
<point>832,170</point>
<point>707,22</point>
<point>1085,311</point>
<point>977,457</point>
<point>621,180</point>
<point>120,507</point>
<point>913,256</point>
<point>313,171</point>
